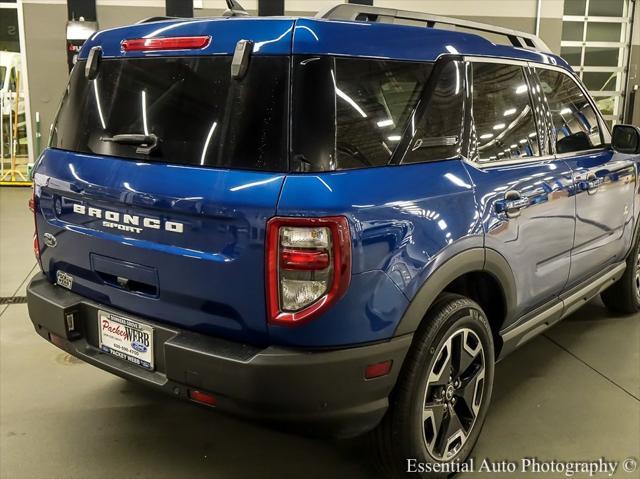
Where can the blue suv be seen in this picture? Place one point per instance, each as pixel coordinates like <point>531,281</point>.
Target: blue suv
<point>339,222</point>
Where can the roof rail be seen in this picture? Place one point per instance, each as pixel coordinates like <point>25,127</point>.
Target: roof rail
<point>365,13</point>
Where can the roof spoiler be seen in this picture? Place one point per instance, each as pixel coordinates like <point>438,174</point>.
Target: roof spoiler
<point>365,13</point>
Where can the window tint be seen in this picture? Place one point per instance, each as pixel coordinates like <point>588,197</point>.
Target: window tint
<point>439,132</point>
<point>374,99</point>
<point>199,114</point>
<point>574,120</point>
<point>502,114</point>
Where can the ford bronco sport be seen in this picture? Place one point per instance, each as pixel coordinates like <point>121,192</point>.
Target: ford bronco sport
<point>340,222</point>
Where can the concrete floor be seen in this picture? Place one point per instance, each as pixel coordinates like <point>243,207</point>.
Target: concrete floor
<point>573,394</point>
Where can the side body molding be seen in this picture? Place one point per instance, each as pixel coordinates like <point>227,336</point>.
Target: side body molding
<point>469,261</point>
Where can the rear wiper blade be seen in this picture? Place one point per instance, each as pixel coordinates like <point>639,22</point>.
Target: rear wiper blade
<point>146,143</point>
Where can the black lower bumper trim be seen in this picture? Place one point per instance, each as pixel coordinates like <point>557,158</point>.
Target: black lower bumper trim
<point>323,391</point>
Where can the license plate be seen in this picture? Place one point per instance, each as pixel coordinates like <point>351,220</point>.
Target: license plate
<point>63,279</point>
<point>126,339</point>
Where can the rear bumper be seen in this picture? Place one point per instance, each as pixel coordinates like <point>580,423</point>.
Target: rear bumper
<point>325,390</point>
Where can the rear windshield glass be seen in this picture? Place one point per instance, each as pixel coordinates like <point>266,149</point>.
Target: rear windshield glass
<point>199,114</point>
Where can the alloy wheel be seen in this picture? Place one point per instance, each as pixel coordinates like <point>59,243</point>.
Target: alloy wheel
<point>453,394</point>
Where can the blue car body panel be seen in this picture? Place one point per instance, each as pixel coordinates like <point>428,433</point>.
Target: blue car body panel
<point>538,244</point>
<point>605,217</point>
<point>204,276</point>
<point>405,220</point>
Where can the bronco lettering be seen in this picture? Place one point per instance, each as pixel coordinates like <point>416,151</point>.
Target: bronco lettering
<point>122,222</point>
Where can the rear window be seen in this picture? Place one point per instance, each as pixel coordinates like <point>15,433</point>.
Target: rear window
<point>200,115</point>
<point>351,113</point>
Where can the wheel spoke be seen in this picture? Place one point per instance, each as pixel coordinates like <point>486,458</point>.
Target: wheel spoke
<point>471,390</point>
<point>441,371</point>
<point>450,430</point>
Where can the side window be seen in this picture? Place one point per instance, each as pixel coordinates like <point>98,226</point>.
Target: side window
<point>505,127</point>
<point>574,120</point>
<point>439,132</point>
<point>374,100</point>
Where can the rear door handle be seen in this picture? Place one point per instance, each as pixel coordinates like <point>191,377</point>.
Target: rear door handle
<point>512,204</point>
<point>591,183</point>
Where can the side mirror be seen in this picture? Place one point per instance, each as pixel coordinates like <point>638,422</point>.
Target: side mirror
<point>626,139</point>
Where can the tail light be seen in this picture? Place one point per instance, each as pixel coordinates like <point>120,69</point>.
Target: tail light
<point>36,244</point>
<point>308,267</point>
<point>165,43</point>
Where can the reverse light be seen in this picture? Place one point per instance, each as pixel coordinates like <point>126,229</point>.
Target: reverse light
<point>165,43</point>
<point>308,267</point>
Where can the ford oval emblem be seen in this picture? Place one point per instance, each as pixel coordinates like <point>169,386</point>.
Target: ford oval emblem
<point>139,347</point>
<point>50,240</point>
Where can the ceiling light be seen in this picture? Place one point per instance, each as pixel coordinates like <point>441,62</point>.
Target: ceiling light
<point>521,89</point>
<point>532,135</point>
<point>565,111</point>
<point>522,142</point>
<point>486,136</point>
<point>385,123</point>
<point>499,126</point>
<point>394,138</point>
<point>510,112</point>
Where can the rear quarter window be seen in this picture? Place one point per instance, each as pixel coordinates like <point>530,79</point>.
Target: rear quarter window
<point>351,113</point>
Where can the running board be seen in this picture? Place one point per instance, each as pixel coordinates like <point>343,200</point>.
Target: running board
<point>567,304</point>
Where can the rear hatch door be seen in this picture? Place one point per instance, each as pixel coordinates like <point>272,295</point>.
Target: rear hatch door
<point>176,233</point>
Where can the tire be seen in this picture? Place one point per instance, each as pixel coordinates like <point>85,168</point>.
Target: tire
<point>623,297</point>
<point>410,430</point>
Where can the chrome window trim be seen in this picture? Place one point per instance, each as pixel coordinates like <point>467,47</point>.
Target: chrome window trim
<point>570,154</point>
<point>526,161</point>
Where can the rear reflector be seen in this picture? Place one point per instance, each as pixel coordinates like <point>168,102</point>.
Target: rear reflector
<point>165,43</point>
<point>202,397</point>
<point>36,247</point>
<point>57,340</point>
<point>378,369</point>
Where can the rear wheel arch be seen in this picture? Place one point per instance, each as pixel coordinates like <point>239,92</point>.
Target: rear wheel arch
<point>480,274</point>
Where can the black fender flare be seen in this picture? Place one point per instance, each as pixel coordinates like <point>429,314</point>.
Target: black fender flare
<point>469,261</point>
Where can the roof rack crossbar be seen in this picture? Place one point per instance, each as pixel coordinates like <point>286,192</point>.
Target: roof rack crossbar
<point>365,13</point>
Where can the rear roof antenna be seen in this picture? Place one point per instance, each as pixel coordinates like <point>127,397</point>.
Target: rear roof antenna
<point>235,9</point>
